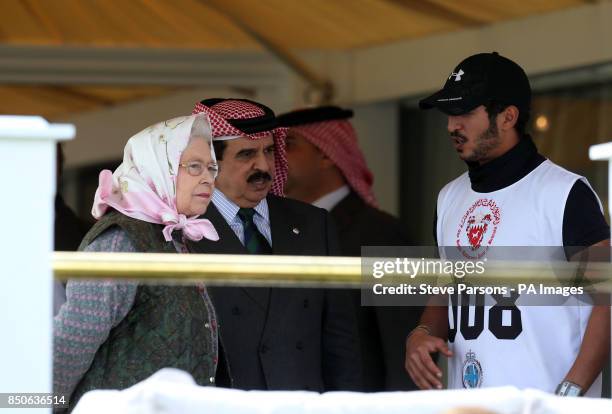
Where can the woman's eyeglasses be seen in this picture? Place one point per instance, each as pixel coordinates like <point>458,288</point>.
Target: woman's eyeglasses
<point>196,168</point>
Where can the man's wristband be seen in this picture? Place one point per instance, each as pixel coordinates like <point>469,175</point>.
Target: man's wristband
<point>423,327</point>
<point>568,389</point>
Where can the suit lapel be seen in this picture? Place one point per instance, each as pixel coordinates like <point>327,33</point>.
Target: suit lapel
<point>286,227</point>
<point>228,243</point>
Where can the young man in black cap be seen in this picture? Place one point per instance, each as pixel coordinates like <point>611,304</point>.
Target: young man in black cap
<point>328,169</point>
<point>274,338</point>
<point>510,196</point>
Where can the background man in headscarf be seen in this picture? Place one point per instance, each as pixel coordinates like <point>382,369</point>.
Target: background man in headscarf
<point>328,169</point>
<point>275,338</point>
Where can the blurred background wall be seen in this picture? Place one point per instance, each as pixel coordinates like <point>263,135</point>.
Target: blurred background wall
<point>114,67</point>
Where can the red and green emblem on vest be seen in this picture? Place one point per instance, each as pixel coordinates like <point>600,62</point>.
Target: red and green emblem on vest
<point>477,228</point>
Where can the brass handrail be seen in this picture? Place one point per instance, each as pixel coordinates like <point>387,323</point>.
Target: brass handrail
<point>211,268</point>
<point>267,270</point>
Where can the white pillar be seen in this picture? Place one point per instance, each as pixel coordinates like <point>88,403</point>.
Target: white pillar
<point>598,153</point>
<point>27,184</point>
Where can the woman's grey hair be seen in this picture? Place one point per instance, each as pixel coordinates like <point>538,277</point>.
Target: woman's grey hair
<point>201,129</point>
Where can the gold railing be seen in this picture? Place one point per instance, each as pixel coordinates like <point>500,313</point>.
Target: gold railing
<point>211,268</point>
<point>265,270</point>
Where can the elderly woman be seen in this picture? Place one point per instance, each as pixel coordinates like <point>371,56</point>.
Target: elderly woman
<point>111,335</point>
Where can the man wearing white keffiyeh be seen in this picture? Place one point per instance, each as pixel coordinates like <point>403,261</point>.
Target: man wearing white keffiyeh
<point>113,335</point>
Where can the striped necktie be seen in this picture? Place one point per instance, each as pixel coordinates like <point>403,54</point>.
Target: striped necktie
<point>254,241</point>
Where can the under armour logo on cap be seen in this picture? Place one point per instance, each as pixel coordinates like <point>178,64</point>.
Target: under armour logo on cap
<point>457,75</point>
<point>478,79</point>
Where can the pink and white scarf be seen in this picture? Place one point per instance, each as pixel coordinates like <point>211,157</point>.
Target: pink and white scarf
<point>144,185</point>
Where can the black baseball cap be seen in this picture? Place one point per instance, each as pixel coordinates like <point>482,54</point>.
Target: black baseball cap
<point>479,80</point>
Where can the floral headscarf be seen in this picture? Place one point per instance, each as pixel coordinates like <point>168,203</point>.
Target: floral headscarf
<point>144,185</point>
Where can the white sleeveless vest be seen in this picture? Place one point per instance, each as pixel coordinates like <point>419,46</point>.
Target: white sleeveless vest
<point>524,346</point>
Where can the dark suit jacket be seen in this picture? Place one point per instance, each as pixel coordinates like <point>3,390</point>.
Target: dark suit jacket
<point>286,338</point>
<point>382,330</point>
